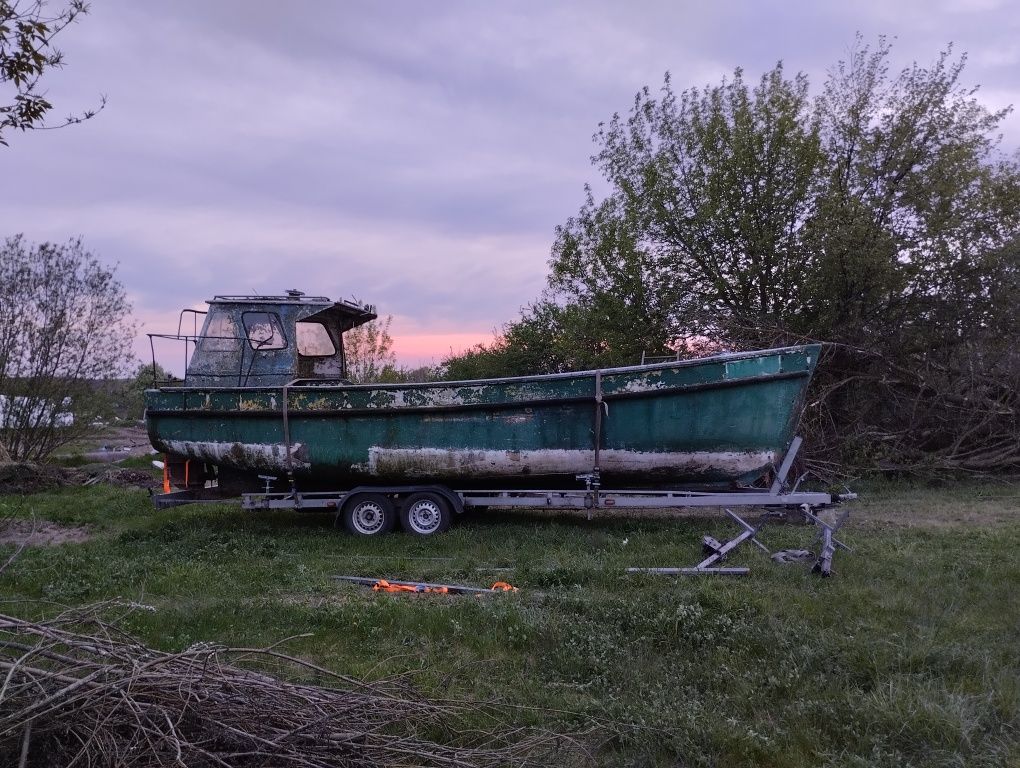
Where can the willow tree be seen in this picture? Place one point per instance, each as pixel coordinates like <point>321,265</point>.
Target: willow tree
<point>65,329</point>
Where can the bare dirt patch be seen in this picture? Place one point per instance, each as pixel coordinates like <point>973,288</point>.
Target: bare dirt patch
<point>41,533</point>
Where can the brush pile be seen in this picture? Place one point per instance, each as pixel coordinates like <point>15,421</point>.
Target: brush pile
<point>21,477</point>
<point>77,690</point>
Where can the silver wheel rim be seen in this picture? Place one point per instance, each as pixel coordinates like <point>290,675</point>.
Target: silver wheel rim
<point>425,516</point>
<point>368,517</point>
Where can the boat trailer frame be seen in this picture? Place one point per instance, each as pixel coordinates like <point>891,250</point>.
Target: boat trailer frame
<point>775,499</point>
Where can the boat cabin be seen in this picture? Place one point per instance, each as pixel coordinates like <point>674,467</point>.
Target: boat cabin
<point>268,341</point>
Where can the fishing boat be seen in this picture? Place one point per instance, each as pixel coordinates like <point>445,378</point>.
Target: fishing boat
<point>265,399</point>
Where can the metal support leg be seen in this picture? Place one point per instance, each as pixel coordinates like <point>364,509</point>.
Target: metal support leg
<point>784,469</point>
<point>830,543</point>
<point>717,552</point>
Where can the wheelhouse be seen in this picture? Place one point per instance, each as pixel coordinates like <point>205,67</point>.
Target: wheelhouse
<point>266,341</point>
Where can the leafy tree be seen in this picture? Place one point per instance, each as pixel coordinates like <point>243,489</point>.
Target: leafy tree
<point>878,216</point>
<point>912,201</point>
<point>132,394</point>
<point>368,349</point>
<point>482,361</point>
<point>400,375</point>
<point>532,344</point>
<point>552,337</point>
<point>27,52</point>
<point>65,325</point>
<point>662,257</point>
<point>714,186</point>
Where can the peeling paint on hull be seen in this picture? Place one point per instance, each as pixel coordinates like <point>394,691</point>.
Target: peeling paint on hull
<point>423,463</point>
<point>251,456</point>
<point>431,464</point>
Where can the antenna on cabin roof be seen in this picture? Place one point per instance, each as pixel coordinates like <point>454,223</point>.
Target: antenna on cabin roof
<point>294,293</point>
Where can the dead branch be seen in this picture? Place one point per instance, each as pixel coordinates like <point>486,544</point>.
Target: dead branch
<point>76,690</point>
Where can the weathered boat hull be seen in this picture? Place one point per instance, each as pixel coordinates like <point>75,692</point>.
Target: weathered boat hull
<point>724,419</point>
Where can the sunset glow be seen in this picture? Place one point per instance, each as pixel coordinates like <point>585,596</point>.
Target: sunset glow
<point>417,349</point>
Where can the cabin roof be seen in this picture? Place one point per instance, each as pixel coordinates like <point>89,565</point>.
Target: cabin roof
<point>344,313</point>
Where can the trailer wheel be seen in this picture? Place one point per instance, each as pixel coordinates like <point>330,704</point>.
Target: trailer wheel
<point>425,514</point>
<point>369,514</point>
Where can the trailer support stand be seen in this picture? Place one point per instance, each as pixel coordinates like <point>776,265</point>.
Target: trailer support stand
<point>830,543</point>
<point>717,552</point>
<point>784,469</point>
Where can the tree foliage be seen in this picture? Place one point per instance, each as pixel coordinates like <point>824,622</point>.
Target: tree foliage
<point>130,397</point>
<point>878,216</point>
<point>551,338</point>
<point>368,349</point>
<point>65,326</point>
<point>27,53</point>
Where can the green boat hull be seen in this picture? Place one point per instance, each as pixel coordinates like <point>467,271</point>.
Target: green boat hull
<point>718,420</point>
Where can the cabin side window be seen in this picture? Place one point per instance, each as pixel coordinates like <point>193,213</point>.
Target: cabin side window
<point>313,340</point>
<point>263,330</point>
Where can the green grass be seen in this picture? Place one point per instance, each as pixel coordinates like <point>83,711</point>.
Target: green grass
<point>908,656</point>
<point>71,460</point>
<point>139,462</point>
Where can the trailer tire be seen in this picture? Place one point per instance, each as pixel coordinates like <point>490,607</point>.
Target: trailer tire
<point>369,514</point>
<point>425,514</point>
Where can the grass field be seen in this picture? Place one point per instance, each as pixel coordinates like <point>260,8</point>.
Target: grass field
<point>910,655</point>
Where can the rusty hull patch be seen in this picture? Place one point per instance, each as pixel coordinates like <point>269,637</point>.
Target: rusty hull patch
<point>421,463</point>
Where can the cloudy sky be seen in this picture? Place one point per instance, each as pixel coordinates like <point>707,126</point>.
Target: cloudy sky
<point>415,155</point>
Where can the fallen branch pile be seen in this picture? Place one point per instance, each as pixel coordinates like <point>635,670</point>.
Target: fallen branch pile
<point>76,690</point>
<point>20,477</point>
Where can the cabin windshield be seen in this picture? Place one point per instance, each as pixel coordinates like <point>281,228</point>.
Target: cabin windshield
<point>264,330</point>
